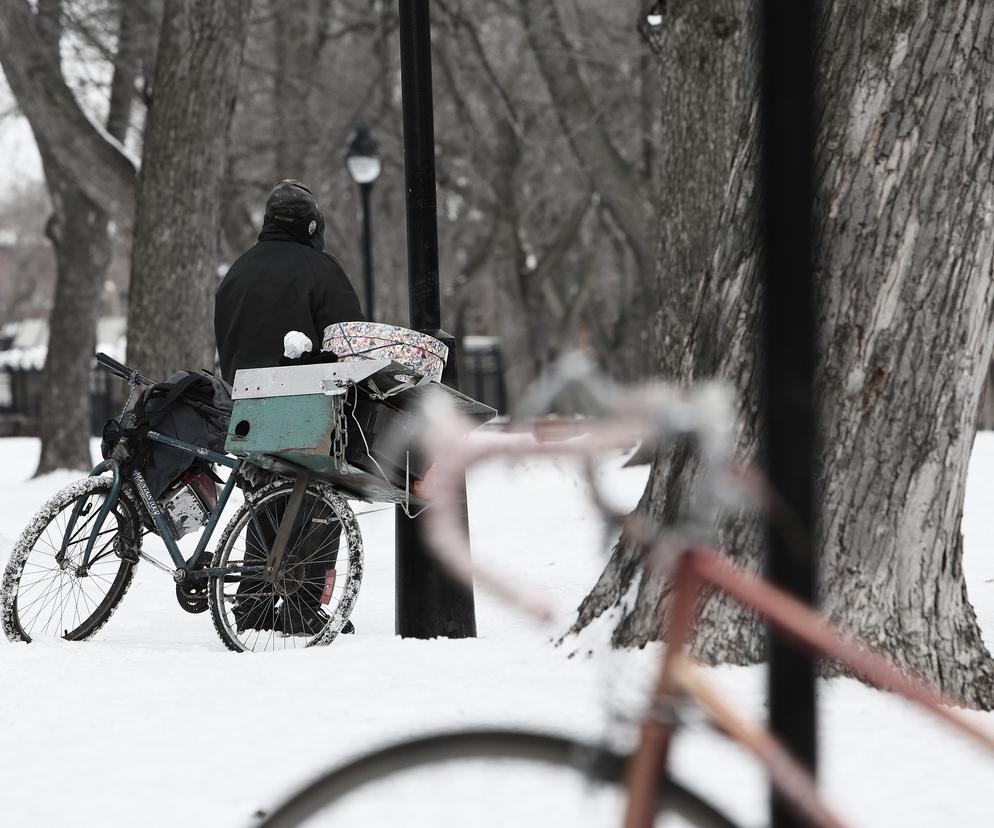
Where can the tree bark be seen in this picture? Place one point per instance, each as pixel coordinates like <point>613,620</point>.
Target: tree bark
<point>78,232</point>
<point>705,86</point>
<point>985,416</point>
<point>905,261</point>
<point>906,268</point>
<point>178,218</point>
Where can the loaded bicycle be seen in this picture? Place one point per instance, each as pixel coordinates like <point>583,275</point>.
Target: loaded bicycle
<point>288,566</point>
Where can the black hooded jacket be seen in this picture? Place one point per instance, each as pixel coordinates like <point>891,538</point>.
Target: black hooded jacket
<point>281,284</point>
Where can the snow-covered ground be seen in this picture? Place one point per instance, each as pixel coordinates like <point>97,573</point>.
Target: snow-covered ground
<point>154,723</point>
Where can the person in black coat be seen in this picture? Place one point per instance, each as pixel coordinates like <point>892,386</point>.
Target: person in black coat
<point>286,282</point>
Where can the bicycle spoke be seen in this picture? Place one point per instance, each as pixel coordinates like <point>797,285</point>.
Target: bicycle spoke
<point>46,599</point>
<point>52,582</point>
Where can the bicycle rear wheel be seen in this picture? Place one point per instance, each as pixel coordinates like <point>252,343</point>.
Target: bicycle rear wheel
<point>483,778</point>
<point>310,599</point>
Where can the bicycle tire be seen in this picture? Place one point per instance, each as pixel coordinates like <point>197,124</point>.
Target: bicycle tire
<point>595,763</point>
<point>350,538</point>
<point>122,556</point>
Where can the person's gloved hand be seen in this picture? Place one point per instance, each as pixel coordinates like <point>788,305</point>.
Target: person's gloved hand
<point>296,343</point>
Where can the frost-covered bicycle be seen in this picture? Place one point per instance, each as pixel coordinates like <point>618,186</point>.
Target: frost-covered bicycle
<point>285,574</point>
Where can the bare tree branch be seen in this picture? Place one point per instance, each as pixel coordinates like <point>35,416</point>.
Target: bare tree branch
<point>86,152</point>
<point>610,175</point>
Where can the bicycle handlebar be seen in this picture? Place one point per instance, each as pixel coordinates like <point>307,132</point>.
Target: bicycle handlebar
<point>656,414</point>
<point>119,369</point>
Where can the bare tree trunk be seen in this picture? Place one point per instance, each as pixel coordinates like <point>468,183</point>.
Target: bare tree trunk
<point>705,85</point>
<point>178,218</point>
<point>513,315</point>
<point>78,230</point>
<point>907,261</point>
<point>905,160</point>
<point>705,88</point>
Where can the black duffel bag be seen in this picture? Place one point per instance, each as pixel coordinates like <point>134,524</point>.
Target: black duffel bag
<point>192,406</point>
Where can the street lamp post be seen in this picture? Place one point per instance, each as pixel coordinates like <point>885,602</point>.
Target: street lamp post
<point>430,602</point>
<point>362,160</point>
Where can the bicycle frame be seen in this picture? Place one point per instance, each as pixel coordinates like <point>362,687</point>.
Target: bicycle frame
<point>183,565</point>
<point>700,569</point>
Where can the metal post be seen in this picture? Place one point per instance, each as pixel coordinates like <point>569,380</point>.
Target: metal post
<point>367,251</point>
<point>788,188</point>
<point>429,602</point>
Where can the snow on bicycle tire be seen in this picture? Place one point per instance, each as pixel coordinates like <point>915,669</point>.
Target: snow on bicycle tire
<point>308,601</point>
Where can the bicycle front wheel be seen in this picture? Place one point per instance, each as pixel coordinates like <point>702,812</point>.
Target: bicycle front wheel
<point>483,778</point>
<point>45,590</point>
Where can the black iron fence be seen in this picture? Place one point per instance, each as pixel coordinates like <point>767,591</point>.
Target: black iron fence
<point>481,373</point>
<point>20,401</point>
<point>482,377</point>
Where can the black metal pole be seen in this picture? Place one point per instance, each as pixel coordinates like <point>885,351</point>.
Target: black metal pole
<point>788,190</point>
<point>419,164</point>
<point>367,251</point>
<point>429,602</point>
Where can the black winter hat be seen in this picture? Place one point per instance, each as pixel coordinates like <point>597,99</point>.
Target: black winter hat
<point>292,206</point>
